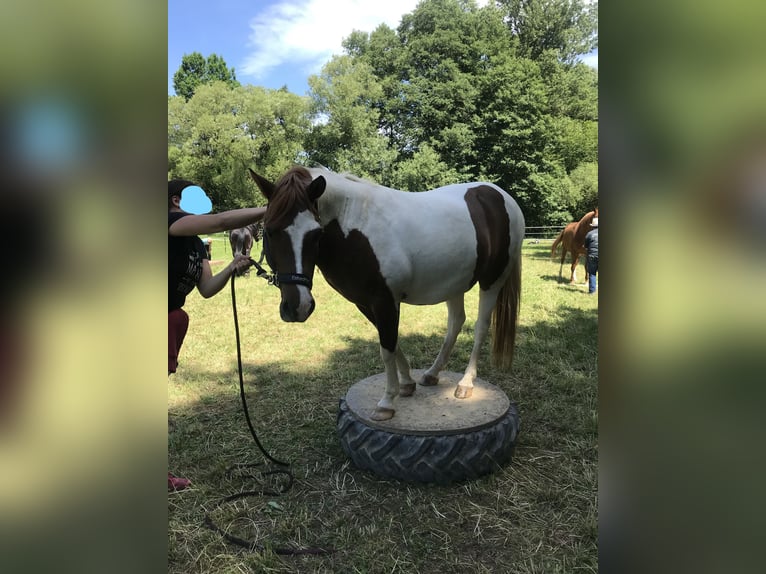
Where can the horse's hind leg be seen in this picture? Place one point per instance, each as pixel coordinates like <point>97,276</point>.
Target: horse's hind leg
<point>563,257</point>
<point>487,300</point>
<point>455,321</point>
<point>406,383</point>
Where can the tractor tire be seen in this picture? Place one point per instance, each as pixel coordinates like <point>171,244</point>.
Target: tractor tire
<point>439,440</point>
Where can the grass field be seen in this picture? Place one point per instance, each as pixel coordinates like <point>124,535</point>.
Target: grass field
<point>536,514</point>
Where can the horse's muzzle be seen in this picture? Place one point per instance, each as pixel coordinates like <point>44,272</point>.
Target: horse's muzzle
<point>292,314</point>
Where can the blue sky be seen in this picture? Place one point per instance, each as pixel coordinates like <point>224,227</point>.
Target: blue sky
<point>272,43</point>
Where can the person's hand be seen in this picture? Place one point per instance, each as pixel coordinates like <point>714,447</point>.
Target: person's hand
<point>239,263</point>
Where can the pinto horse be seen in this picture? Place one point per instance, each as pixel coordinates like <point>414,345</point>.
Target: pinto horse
<point>380,247</point>
<point>242,240</point>
<point>572,239</point>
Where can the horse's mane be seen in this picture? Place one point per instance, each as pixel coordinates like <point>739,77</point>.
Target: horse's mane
<point>289,197</point>
<point>356,178</point>
<point>319,169</point>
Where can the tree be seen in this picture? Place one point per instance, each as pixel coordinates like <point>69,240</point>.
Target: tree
<point>195,70</point>
<point>456,94</point>
<point>585,188</point>
<point>221,131</point>
<point>439,88</point>
<point>566,27</point>
<point>345,134</point>
<point>424,170</point>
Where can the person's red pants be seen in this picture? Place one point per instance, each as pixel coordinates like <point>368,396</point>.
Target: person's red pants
<point>178,324</point>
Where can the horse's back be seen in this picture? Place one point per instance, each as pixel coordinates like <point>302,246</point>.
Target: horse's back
<point>434,244</point>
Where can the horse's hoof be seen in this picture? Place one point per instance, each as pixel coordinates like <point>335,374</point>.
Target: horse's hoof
<point>462,392</point>
<point>429,381</point>
<point>380,414</point>
<point>407,390</point>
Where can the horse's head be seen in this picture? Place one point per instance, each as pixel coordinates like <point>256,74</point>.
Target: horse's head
<point>291,237</point>
<point>241,241</point>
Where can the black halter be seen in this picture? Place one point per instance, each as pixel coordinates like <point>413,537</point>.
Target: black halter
<point>278,278</point>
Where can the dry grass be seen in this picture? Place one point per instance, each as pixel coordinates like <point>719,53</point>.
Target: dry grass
<point>537,514</point>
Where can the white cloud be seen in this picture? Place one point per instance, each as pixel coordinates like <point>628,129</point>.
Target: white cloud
<point>308,33</point>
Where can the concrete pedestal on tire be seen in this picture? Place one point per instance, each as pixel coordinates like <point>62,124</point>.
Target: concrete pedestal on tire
<point>433,437</point>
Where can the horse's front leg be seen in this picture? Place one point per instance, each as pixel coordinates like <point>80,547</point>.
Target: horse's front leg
<point>573,274</point>
<point>385,407</point>
<point>385,317</point>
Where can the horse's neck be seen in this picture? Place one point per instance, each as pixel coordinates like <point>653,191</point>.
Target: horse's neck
<point>584,225</point>
<point>344,200</point>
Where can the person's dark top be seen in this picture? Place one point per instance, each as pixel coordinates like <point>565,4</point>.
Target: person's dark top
<point>185,255</point>
<point>591,243</point>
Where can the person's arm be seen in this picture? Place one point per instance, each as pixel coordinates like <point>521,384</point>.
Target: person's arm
<point>209,284</point>
<point>215,222</point>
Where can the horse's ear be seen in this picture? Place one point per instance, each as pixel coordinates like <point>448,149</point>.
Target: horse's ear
<point>317,187</point>
<point>266,187</point>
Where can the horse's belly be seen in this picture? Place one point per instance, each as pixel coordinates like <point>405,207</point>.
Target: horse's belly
<point>434,294</point>
<point>434,287</point>
<point>426,280</point>
<point>360,289</point>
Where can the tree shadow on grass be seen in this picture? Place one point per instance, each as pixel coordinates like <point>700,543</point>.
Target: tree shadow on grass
<point>332,503</point>
<point>558,377</point>
<point>295,409</point>
<point>555,278</point>
<point>579,285</point>
<point>540,251</point>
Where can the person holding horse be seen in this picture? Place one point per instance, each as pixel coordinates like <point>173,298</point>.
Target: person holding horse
<point>189,266</point>
<point>591,249</point>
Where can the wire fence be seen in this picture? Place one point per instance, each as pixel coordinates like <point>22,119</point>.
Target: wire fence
<point>545,232</point>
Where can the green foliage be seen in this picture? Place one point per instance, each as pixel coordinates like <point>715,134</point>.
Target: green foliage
<point>454,81</point>
<point>566,27</point>
<point>454,93</point>
<point>221,131</point>
<point>550,193</point>
<point>573,141</point>
<point>195,71</point>
<point>345,136</point>
<point>585,182</point>
<point>424,170</point>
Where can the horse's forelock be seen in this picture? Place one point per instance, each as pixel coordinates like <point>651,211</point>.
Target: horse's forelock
<point>289,198</point>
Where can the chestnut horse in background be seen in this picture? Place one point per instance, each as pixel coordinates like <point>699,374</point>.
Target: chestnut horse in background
<point>571,239</point>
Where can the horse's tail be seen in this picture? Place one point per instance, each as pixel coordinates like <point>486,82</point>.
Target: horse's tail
<point>556,242</point>
<point>505,318</point>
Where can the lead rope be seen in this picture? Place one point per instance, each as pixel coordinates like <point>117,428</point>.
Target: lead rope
<point>251,544</point>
